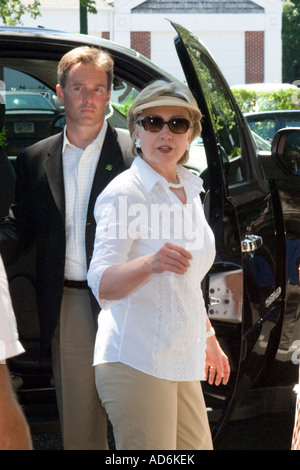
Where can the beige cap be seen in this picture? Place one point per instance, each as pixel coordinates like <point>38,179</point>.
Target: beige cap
<point>169,101</point>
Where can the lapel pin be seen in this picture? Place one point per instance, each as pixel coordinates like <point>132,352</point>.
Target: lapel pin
<point>108,166</point>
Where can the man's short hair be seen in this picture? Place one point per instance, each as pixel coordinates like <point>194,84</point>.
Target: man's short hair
<point>85,55</point>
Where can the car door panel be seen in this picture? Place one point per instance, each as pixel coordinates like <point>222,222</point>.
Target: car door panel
<point>283,173</point>
<point>242,217</point>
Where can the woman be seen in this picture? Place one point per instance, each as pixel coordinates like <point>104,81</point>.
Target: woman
<point>14,429</point>
<point>153,247</point>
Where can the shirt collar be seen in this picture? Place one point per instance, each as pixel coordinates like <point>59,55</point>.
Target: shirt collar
<point>98,140</point>
<point>149,177</point>
<point>191,179</point>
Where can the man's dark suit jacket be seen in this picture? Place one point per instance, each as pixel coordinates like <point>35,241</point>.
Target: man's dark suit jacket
<point>38,218</point>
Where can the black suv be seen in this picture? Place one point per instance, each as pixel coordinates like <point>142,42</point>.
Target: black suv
<point>252,204</point>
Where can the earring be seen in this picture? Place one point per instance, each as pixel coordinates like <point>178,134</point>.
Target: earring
<point>188,146</point>
<point>138,143</point>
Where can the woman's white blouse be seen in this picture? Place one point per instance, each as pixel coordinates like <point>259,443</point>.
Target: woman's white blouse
<point>160,328</point>
<point>9,339</point>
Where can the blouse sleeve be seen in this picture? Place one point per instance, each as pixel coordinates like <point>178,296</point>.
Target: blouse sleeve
<point>113,241</point>
<point>9,339</point>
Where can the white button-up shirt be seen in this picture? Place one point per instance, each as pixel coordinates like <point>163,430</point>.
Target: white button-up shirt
<point>9,339</point>
<point>160,328</point>
<point>79,168</point>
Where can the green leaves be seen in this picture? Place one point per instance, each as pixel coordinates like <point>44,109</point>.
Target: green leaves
<point>11,11</point>
<point>90,5</point>
<point>253,101</point>
<point>291,40</point>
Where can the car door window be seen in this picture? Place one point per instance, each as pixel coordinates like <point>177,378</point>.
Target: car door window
<point>123,95</point>
<point>33,111</point>
<point>265,128</point>
<point>30,111</point>
<point>222,114</point>
<point>292,121</point>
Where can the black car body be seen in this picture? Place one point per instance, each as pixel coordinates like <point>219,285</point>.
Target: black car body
<point>252,204</point>
<point>267,123</point>
<point>29,116</point>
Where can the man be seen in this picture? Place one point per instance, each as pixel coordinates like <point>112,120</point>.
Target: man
<point>14,430</point>
<point>58,181</point>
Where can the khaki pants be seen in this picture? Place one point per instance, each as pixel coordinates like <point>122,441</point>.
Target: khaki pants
<point>148,413</point>
<point>83,420</point>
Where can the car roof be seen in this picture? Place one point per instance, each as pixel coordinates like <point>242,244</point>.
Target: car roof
<point>275,112</point>
<point>30,43</point>
<point>23,92</point>
<point>41,32</point>
<point>21,33</point>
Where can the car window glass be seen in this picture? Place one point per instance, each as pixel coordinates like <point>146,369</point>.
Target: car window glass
<point>30,110</point>
<point>222,114</point>
<point>123,95</point>
<point>197,161</point>
<point>33,111</point>
<point>25,100</point>
<point>292,121</point>
<point>265,128</point>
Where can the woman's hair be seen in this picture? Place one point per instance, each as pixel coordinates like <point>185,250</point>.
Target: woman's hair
<point>164,93</point>
<point>85,55</point>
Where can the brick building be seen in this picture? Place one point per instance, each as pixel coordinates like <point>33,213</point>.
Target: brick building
<point>243,36</point>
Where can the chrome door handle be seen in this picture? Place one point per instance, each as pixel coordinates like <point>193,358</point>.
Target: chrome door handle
<point>251,243</point>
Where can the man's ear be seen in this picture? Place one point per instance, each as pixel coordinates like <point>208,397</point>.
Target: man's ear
<point>60,93</point>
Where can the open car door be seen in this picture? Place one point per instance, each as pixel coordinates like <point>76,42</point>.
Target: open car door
<point>243,290</point>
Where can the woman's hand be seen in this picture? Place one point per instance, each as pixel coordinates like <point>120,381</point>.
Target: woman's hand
<point>171,257</point>
<point>119,281</point>
<point>217,367</point>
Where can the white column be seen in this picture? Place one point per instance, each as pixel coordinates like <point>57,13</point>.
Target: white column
<point>273,48</point>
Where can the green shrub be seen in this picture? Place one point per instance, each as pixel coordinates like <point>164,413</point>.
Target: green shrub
<point>124,107</point>
<point>3,142</point>
<point>253,101</point>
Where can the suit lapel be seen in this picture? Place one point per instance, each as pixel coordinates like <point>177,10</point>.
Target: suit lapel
<point>109,165</point>
<point>54,172</point>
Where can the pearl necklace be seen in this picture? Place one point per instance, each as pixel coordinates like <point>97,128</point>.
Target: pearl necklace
<point>178,185</point>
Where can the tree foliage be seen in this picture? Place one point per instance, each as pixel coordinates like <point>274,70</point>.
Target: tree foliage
<point>253,101</point>
<point>291,40</point>
<point>11,11</point>
<point>90,5</point>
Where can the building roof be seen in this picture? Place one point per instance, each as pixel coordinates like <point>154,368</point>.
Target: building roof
<point>57,4</point>
<point>197,6</point>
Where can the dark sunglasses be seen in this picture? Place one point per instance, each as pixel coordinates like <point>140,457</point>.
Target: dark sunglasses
<point>156,123</point>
